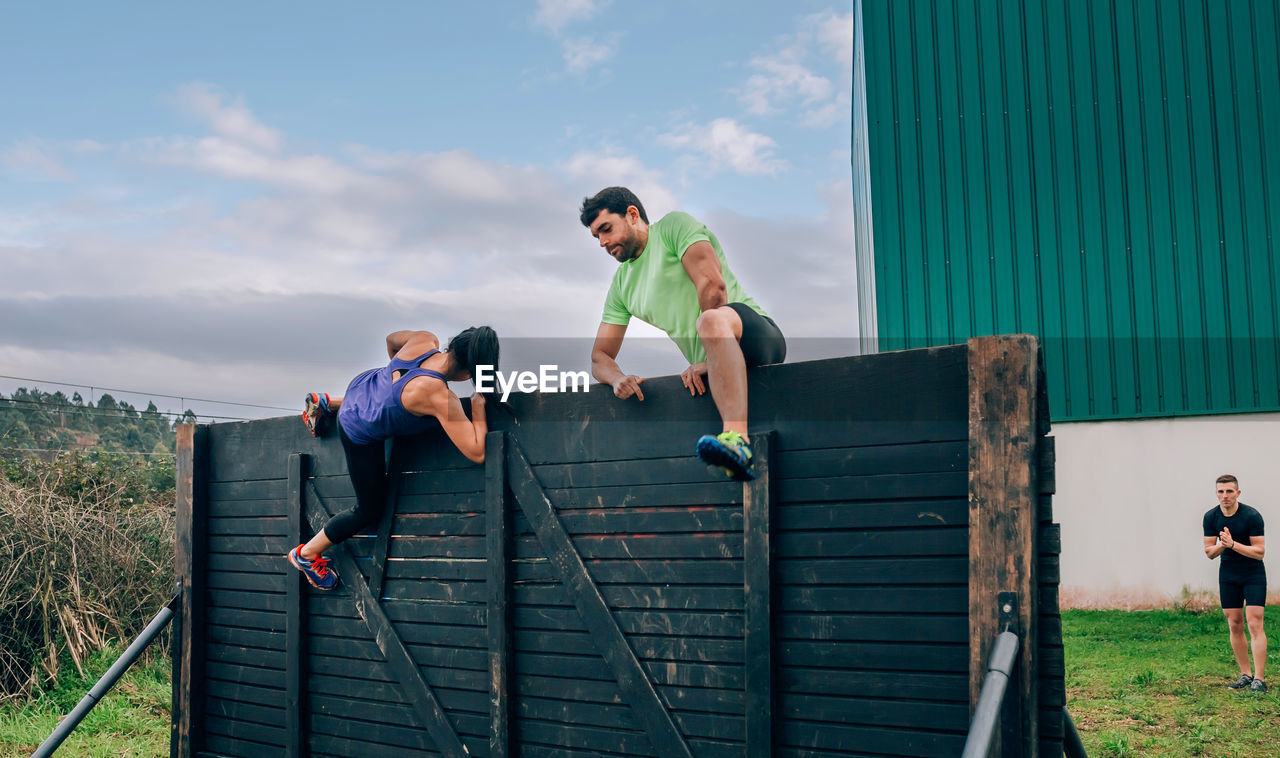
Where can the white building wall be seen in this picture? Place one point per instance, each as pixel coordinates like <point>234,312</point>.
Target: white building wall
<point>1131,496</point>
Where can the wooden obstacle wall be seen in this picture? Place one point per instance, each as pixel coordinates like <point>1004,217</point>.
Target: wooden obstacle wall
<point>592,591</point>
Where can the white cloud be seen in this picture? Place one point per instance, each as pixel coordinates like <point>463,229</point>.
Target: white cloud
<point>583,53</point>
<point>36,159</point>
<point>554,14</point>
<point>593,171</point>
<point>230,120</point>
<point>835,35</point>
<point>791,79</point>
<point>727,144</point>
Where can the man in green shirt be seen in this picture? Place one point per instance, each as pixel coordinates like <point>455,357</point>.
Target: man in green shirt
<point>673,275</point>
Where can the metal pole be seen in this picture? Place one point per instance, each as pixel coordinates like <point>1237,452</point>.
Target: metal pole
<point>108,680</point>
<point>982,728</point>
<point>1072,746</point>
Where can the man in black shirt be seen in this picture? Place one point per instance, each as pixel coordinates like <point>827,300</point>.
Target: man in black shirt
<point>1233,530</point>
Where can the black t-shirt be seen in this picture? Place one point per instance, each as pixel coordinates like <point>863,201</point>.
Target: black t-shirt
<point>1244,524</point>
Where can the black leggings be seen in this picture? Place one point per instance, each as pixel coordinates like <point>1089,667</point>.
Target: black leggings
<point>367,465</point>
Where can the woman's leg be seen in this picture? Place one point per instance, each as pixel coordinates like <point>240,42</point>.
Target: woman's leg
<point>367,467</point>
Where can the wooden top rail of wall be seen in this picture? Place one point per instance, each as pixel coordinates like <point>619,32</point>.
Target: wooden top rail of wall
<point>591,590</point>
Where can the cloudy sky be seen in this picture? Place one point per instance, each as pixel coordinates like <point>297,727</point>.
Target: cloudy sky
<point>237,201</point>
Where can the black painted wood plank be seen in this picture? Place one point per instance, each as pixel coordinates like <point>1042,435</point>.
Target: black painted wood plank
<point>231,672</point>
<point>295,635</point>
<point>265,563</point>
<point>273,489</point>
<point>671,622</point>
<point>222,746</point>
<point>890,684</point>
<point>327,746</point>
<point>498,594</point>
<point>924,657</point>
<point>244,693</point>
<point>713,492</point>
<point>439,569</point>
<point>862,599</point>
<point>879,570</point>
<point>900,742</point>
<point>758,540</point>
<point>419,692</point>
<point>229,635</point>
<point>586,737</point>
<point>923,457</point>
<point>630,597</point>
<point>247,581</point>
<point>240,526</point>
<point>275,545</point>
<point>573,573</point>
<point>247,509</point>
<point>866,627</point>
<point>947,484</point>
<point>265,601</point>
<point>873,514</point>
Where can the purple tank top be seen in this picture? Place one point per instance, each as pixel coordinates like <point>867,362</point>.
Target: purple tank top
<point>371,410</point>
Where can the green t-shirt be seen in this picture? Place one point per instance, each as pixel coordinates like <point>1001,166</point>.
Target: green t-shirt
<point>655,287</point>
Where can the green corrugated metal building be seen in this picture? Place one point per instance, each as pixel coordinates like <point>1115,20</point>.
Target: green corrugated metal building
<point>1103,174</point>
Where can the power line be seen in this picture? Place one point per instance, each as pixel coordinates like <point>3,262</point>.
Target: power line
<point>151,394</point>
<point>112,412</point>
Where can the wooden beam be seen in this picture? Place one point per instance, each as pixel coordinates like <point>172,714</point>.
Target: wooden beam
<point>1004,394</point>
<point>399,662</point>
<point>757,562</point>
<point>191,505</point>
<point>632,680</point>
<point>295,678</point>
<point>378,559</point>
<point>498,594</point>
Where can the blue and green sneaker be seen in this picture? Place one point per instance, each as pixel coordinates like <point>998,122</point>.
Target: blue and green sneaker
<point>727,453</point>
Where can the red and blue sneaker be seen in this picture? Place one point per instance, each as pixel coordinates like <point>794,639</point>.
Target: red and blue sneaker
<point>316,570</point>
<point>316,413</point>
<point>727,453</point>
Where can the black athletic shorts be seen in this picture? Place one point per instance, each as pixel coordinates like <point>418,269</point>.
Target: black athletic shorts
<point>1235,594</point>
<point>762,341</point>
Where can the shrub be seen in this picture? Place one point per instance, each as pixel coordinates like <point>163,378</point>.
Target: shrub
<point>86,560</point>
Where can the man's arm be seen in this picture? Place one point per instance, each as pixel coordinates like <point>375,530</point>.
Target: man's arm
<point>1213,548</point>
<point>604,363</point>
<point>703,267</point>
<point>1256,550</point>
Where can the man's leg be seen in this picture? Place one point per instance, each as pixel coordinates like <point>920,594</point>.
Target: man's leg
<point>1235,627</point>
<point>1258,640</point>
<point>720,329</point>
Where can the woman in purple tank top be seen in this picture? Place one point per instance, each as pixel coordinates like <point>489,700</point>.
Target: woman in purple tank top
<point>410,395</point>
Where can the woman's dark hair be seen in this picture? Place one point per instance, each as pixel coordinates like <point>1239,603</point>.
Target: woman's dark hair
<point>476,346</point>
<point>612,199</point>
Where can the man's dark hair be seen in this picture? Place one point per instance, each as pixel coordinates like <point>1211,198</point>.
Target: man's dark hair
<point>612,199</point>
<point>476,346</point>
<point>1227,478</point>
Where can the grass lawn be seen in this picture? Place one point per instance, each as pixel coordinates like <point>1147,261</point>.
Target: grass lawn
<point>1154,683</point>
<point>132,721</point>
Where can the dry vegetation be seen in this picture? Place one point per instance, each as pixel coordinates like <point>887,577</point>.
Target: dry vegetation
<point>85,561</point>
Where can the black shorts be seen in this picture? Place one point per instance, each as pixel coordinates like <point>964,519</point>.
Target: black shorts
<point>762,341</point>
<point>1236,594</point>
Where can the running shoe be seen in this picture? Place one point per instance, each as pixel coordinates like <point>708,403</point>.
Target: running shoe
<point>316,414</point>
<point>316,570</point>
<point>1242,683</point>
<point>727,453</point>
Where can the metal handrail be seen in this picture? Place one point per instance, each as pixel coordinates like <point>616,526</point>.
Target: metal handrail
<point>991,697</point>
<point>108,680</point>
